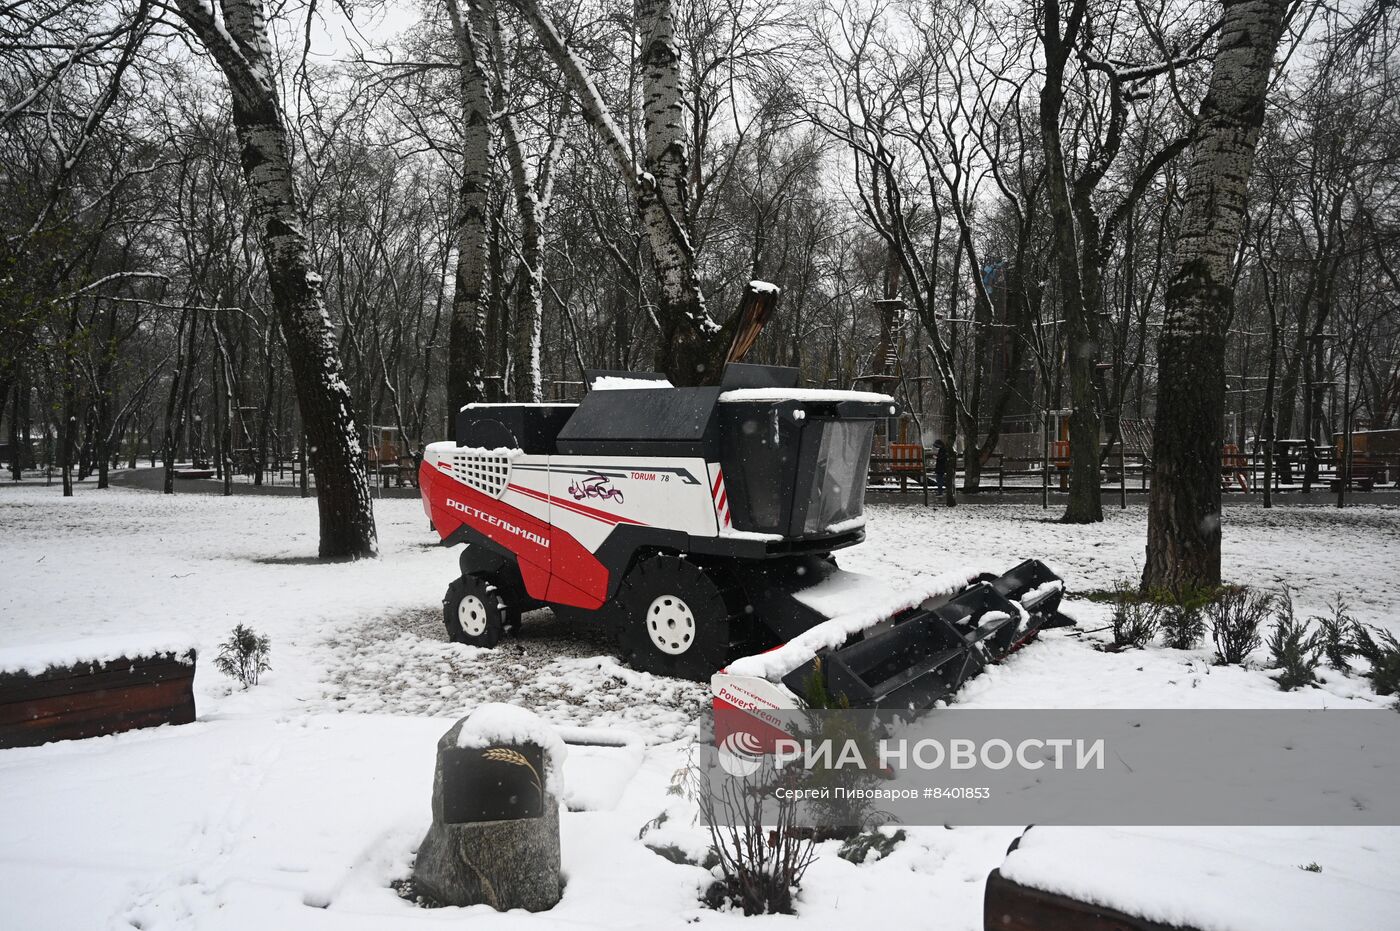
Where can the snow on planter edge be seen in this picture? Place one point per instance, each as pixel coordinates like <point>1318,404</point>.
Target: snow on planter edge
<point>36,658</point>
<point>497,722</point>
<point>1175,881</point>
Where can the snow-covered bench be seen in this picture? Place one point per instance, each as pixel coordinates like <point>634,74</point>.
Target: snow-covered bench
<point>101,685</point>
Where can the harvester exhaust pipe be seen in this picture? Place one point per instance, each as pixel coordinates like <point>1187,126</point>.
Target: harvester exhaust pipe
<point>756,307</point>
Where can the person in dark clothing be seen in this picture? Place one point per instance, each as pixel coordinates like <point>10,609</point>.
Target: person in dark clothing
<point>940,464</point>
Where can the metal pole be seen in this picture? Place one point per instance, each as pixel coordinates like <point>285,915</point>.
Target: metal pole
<point>1345,472</point>
<point>1045,462</point>
<point>1122,478</point>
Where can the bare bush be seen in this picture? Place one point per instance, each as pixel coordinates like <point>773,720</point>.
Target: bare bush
<point>1136,619</point>
<point>1235,616</point>
<point>762,852</point>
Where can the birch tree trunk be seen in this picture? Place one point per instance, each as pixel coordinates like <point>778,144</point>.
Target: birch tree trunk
<point>532,190</point>
<point>686,351</point>
<point>1183,528</point>
<point>691,345</point>
<point>466,342</point>
<point>239,45</point>
<point>529,317</point>
<point>529,313</point>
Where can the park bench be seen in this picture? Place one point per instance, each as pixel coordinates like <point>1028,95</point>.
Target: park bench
<point>903,461</point>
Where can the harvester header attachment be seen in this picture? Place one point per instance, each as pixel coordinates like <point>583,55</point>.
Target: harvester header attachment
<point>914,659</point>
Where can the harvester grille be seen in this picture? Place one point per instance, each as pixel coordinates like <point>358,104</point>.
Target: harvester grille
<point>487,472</point>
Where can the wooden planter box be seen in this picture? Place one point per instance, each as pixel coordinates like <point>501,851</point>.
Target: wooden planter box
<point>98,697</point>
<point>1009,906</point>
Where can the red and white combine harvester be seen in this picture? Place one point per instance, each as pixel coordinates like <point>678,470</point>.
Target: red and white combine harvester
<point>699,525</point>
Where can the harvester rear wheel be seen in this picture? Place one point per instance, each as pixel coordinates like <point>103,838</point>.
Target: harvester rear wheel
<point>674,621</point>
<point>475,611</point>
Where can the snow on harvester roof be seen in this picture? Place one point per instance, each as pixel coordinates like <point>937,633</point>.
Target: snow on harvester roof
<point>623,383</point>
<point>803,394</point>
<point>482,404</point>
<point>852,603</point>
<point>37,657</point>
<point>445,447</point>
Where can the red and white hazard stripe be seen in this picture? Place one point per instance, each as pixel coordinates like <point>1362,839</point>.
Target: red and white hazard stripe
<point>721,499</point>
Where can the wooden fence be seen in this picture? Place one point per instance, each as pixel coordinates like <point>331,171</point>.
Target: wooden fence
<point>1241,471</point>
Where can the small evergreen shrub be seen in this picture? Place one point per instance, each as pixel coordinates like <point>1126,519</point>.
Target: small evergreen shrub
<point>243,656</point>
<point>869,846</point>
<point>1294,649</point>
<point>1382,650</point>
<point>814,687</point>
<point>1336,635</point>
<point>1183,618</point>
<point>1235,616</point>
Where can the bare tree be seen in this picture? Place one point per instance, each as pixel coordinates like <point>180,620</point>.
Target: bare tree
<point>236,37</point>
<point>466,332</point>
<point>690,342</point>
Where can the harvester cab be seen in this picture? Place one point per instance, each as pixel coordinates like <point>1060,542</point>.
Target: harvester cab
<point>699,524</point>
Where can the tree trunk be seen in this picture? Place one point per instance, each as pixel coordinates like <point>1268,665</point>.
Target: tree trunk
<point>1081,324</point>
<point>104,435</point>
<point>687,349</point>
<point>950,444</point>
<point>172,406</point>
<point>1183,529</point>
<point>7,384</point>
<point>466,346</point>
<point>265,430</point>
<point>66,442</point>
<point>1270,418</point>
<point>19,428</point>
<point>225,410</point>
<point>101,449</point>
<point>690,347</point>
<point>529,306</point>
<point>342,492</point>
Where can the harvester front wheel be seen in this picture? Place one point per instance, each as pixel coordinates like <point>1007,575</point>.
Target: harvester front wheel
<point>475,611</point>
<point>674,621</point>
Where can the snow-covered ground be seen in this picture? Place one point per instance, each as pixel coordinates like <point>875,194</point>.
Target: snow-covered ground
<point>296,803</point>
